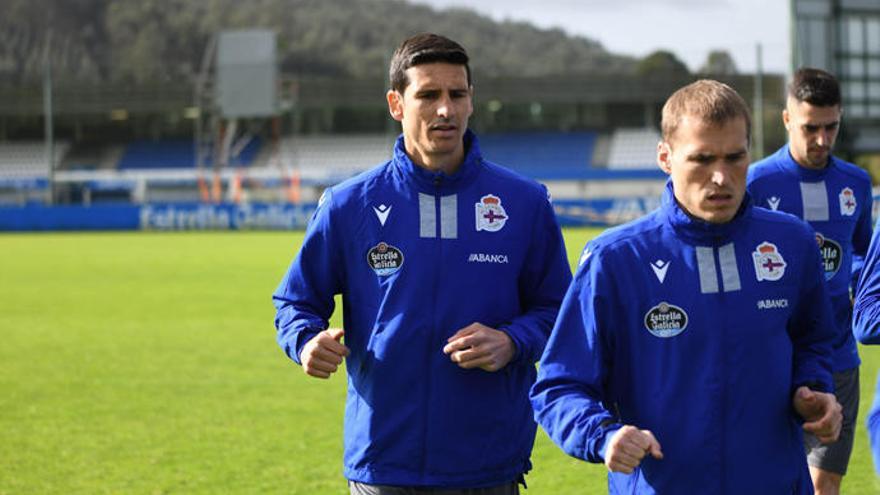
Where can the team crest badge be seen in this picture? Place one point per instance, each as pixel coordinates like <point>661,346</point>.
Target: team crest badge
<point>490,214</point>
<point>847,202</point>
<point>769,264</point>
<point>666,320</point>
<point>384,259</point>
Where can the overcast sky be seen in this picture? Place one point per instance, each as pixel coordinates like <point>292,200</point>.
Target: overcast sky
<point>688,28</point>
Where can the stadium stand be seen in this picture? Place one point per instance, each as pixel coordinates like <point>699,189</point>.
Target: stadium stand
<point>571,164</point>
<point>633,149</point>
<point>141,155</point>
<point>27,160</point>
<point>333,157</point>
<point>542,155</point>
<point>546,156</point>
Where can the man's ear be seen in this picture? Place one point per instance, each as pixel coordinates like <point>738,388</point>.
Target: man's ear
<point>395,104</point>
<point>786,119</point>
<point>664,157</point>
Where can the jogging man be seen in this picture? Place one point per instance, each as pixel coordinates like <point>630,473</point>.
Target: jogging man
<point>451,270</point>
<point>694,344</point>
<point>834,196</point>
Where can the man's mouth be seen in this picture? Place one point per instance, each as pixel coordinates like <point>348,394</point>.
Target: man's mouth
<point>719,197</point>
<point>443,127</point>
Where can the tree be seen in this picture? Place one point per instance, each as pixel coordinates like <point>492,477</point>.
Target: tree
<point>719,62</point>
<point>664,63</point>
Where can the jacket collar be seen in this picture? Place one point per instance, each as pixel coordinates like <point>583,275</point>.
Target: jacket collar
<point>695,231</point>
<point>430,181</point>
<point>788,163</point>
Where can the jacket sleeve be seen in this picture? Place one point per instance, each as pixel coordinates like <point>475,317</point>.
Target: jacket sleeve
<point>812,328</point>
<point>861,238</point>
<point>873,423</point>
<point>568,394</point>
<point>304,298</point>
<point>542,284</point>
<point>866,309</point>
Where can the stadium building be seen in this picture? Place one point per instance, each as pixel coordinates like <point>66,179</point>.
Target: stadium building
<point>843,37</point>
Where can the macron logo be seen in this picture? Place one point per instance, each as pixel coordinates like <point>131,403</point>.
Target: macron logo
<point>660,268</point>
<point>774,202</point>
<point>382,212</point>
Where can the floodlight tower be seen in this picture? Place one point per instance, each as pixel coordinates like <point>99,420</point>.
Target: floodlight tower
<point>238,81</point>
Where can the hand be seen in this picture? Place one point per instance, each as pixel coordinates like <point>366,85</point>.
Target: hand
<point>628,446</point>
<point>821,412</point>
<point>478,346</point>
<point>322,355</point>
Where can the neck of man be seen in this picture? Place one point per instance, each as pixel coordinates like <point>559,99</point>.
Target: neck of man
<point>805,163</point>
<point>448,163</point>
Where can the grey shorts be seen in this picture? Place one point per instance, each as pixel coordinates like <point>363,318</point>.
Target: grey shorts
<point>835,457</point>
<point>356,488</point>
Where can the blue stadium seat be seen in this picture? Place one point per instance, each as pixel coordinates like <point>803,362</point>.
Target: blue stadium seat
<point>175,154</point>
<point>542,155</point>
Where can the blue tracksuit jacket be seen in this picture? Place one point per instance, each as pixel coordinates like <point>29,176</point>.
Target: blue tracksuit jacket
<point>836,201</point>
<point>866,328</point>
<point>699,333</point>
<point>866,306</point>
<point>417,256</point>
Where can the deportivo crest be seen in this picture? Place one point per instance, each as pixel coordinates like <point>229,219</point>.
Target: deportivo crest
<point>769,264</point>
<point>666,320</point>
<point>384,259</point>
<point>832,254</point>
<point>490,214</point>
<point>774,202</point>
<point>847,202</point>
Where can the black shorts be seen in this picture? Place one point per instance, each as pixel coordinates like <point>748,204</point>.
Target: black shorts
<point>834,457</point>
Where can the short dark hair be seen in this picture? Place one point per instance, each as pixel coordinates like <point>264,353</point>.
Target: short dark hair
<point>425,48</point>
<point>815,86</point>
<point>711,101</point>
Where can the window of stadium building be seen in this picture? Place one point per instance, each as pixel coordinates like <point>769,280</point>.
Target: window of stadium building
<point>859,62</point>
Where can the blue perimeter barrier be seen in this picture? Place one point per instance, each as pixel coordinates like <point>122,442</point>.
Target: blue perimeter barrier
<point>264,216</point>
<point>164,217</point>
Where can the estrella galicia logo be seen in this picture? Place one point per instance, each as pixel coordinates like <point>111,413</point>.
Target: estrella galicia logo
<point>832,254</point>
<point>384,259</point>
<point>666,320</point>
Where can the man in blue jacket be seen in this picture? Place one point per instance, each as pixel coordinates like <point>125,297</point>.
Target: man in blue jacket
<point>866,328</point>
<point>834,196</point>
<point>451,270</point>
<point>694,344</point>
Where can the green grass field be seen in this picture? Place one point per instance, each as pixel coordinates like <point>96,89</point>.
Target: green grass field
<point>146,363</point>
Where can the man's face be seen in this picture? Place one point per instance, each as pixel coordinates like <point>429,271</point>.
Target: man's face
<point>433,111</point>
<point>708,164</point>
<point>811,130</point>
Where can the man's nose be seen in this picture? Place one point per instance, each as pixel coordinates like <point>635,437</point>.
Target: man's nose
<point>822,138</point>
<point>719,177</point>
<point>444,107</point>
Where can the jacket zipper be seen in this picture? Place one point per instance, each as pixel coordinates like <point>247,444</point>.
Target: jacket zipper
<point>433,339</point>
